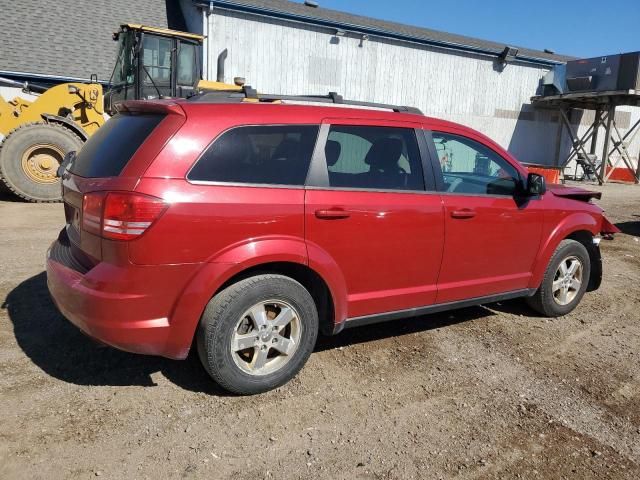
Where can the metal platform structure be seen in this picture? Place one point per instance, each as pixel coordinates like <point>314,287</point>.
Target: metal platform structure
<point>584,147</point>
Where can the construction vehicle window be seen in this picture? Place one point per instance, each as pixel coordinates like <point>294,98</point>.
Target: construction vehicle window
<point>156,58</point>
<point>123,72</point>
<point>276,155</point>
<point>470,167</point>
<point>385,158</point>
<point>187,64</point>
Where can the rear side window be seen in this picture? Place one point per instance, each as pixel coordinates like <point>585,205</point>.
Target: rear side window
<point>108,151</point>
<point>276,155</point>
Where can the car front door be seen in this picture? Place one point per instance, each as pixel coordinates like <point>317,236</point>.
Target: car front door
<point>492,234</point>
<point>374,214</point>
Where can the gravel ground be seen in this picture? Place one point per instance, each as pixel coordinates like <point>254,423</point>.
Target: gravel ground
<point>486,392</point>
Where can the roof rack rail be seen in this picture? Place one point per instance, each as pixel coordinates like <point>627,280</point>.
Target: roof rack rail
<point>230,96</point>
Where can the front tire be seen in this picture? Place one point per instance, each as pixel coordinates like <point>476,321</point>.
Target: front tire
<point>565,280</point>
<point>258,333</point>
<point>30,157</point>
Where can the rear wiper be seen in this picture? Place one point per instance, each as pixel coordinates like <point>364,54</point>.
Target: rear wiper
<point>67,161</point>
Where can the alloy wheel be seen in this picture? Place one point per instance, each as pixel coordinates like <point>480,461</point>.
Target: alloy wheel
<point>567,280</point>
<point>265,337</point>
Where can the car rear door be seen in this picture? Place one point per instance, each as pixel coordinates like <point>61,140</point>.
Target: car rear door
<point>492,234</point>
<point>374,214</point>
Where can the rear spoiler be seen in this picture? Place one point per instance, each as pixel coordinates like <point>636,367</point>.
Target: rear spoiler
<point>149,106</point>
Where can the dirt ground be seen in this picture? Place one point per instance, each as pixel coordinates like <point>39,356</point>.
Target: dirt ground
<point>487,392</point>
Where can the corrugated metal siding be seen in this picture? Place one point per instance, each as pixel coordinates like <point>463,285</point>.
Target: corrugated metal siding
<point>276,56</point>
<point>297,11</point>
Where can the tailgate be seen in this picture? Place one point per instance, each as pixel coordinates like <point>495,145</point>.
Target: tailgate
<point>86,247</point>
<point>113,159</point>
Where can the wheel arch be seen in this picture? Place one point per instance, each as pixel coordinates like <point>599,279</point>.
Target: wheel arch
<point>66,123</point>
<point>580,226</point>
<point>215,276</point>
<point>585,237</point>
<point>301,273</point>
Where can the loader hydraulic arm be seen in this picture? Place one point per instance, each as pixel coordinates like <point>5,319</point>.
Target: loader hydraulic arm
<point>80,103</point>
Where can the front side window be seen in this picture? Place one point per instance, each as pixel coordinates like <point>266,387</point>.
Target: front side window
<point>470,167</point>
<point>276,155</point>
<point>385,158</point>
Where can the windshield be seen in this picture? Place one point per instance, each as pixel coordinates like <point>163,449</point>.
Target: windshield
<point>123,72</point>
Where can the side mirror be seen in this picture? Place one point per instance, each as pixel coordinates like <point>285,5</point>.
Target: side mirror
<point>536,185</point>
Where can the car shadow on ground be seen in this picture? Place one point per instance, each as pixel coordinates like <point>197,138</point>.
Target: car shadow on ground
<point>62,351</point>
<point>515,307</point>
<point>630,228</point>
<point>408,326</point>
<point>399,328</point>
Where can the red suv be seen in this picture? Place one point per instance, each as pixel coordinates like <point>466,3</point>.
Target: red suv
<point>248,227</point>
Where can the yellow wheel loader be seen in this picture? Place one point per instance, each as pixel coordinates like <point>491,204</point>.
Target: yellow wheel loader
<point>39,133</point>
<point>35,135</point>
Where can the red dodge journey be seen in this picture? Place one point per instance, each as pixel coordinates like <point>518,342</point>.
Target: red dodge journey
<point>245,228</point>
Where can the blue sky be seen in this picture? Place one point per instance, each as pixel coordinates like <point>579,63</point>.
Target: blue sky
<point>585,28</point>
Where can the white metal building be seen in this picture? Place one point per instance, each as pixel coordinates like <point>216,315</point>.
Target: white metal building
<point>285,47</point>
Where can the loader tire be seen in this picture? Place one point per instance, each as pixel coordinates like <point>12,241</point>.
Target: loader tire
<point>30,156</point>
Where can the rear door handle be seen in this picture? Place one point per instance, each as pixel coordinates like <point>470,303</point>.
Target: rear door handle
<point>332,214</point>
<point>464,213</point>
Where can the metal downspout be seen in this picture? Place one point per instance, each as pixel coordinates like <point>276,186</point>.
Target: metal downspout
<point>206,27</point>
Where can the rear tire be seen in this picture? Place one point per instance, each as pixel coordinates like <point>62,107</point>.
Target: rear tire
<point>29,159</point>
<point>565,280</point>
<point>258,333</point>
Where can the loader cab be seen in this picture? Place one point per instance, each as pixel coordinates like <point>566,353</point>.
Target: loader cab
<point>154,63</point>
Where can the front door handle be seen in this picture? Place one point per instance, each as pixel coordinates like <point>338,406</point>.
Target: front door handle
<point>464,213</point>
<point>332,214</point>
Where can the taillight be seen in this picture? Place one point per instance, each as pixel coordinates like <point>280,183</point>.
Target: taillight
<point>92,212</point>
<point>120,216</point>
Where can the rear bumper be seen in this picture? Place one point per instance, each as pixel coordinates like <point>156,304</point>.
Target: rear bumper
<point>128,307</point>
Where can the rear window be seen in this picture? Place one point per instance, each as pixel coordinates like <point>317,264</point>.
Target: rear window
<point>276,155</point>
<point>108,151</point>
